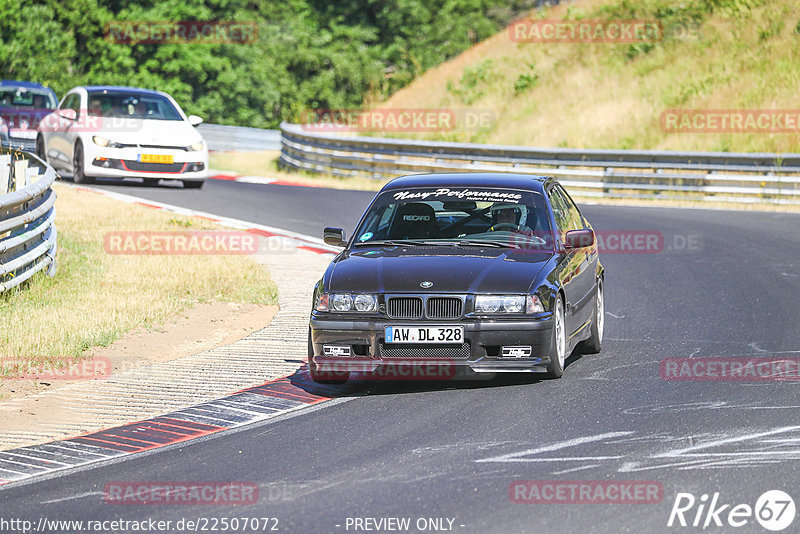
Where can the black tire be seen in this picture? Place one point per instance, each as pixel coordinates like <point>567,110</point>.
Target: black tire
<point>321,377</point>
<point>193,184</point>
<point>40,148</point>
<point>558,355</point>
<point>151,182</point>
<point>78,173</point>
<point>594,344</point>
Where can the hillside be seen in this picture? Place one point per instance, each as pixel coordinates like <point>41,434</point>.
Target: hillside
<point>714,55</point>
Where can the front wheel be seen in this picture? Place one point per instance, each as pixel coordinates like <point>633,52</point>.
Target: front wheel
<point>558,353</point>
<point>323,377</point>
<point>78,174</point>
<point>193,184</point>
<point>40,149</point>
<point>595,341</point>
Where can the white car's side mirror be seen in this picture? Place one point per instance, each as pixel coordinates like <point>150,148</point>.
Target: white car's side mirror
<point>68,114</point>
<point>194,120</point>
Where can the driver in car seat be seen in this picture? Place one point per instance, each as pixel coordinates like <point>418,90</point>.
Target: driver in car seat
<point>515,215</point>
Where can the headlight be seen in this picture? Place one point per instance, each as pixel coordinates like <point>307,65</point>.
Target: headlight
<point>196,147</point>
<point>499,303</point>
<point>346,302</point>
<point>102,141</point>
<point>342,302</point>
<point>366,303</point>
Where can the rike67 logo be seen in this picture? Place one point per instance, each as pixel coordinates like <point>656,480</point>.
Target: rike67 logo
<point>774,510</point>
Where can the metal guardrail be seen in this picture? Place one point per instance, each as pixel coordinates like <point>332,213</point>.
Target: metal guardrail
<point>718,176</point>
<point>222,138</point>
<point>27,219</point>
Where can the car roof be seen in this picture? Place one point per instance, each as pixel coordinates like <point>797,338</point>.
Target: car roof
<point>470,179</point>
<point>28,85</point>
<point>121,88</point>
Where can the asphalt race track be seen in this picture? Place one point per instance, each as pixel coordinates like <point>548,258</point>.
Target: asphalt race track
<point>723,284</point>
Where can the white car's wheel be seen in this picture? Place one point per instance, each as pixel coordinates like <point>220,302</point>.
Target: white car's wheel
<point>78,173</point>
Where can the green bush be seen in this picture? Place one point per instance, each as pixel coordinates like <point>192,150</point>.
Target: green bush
<point>308,54</point>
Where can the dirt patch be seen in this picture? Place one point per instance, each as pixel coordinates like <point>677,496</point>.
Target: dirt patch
<point>201,328</point>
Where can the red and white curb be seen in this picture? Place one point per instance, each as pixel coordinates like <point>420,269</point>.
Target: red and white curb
<point>263,180</point>
<point>287,238</point>
<point>245,407</point>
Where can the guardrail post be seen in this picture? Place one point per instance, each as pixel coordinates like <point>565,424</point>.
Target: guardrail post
<point>5,174</point>
<point>20,174</point>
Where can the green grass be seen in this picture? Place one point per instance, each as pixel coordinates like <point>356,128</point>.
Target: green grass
<point>97,297</point>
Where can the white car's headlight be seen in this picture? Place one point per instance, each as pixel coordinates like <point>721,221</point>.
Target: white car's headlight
<point>102,141</point>
<point>196,146</point>
<point>346,302</point>
<point>500,304</point>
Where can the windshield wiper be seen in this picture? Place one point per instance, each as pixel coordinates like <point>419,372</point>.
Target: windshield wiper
<point>459,243</point>
<point>394,243</point>
<point>480,243</point>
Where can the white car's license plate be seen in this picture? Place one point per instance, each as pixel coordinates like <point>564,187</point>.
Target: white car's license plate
<point>22,134</point>
<point>424,334</point>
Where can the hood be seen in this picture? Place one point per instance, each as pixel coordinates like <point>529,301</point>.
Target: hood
<point>130,131</point>
<point>23,118</point>
<point>148,132</point>
<point>452,270</point>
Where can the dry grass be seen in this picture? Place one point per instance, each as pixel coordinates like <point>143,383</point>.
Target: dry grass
<point>96,297</point>
<point>595,95</point>
<point>266,164</point>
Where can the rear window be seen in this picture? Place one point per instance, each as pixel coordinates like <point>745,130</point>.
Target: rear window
<point>22,97</point>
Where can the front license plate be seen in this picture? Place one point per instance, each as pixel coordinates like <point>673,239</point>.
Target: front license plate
<point>424,334</point>
<point>155,158</point>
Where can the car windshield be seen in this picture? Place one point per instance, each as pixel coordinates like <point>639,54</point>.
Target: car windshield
<point>458,216</point>
<point>132,105</point>
<point>22,97</point>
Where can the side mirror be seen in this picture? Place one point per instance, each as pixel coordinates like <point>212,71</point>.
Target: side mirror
<point>194,120</point>
<point>334,237</point>
<point>68,114</point>
<point>579,238</point>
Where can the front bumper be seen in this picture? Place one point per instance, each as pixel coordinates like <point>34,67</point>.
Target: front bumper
<point>484,338</point>
<point>116,168</point>
<point>110,162</point>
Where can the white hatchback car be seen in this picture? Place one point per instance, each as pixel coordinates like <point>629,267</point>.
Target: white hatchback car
<point>123,132</point>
